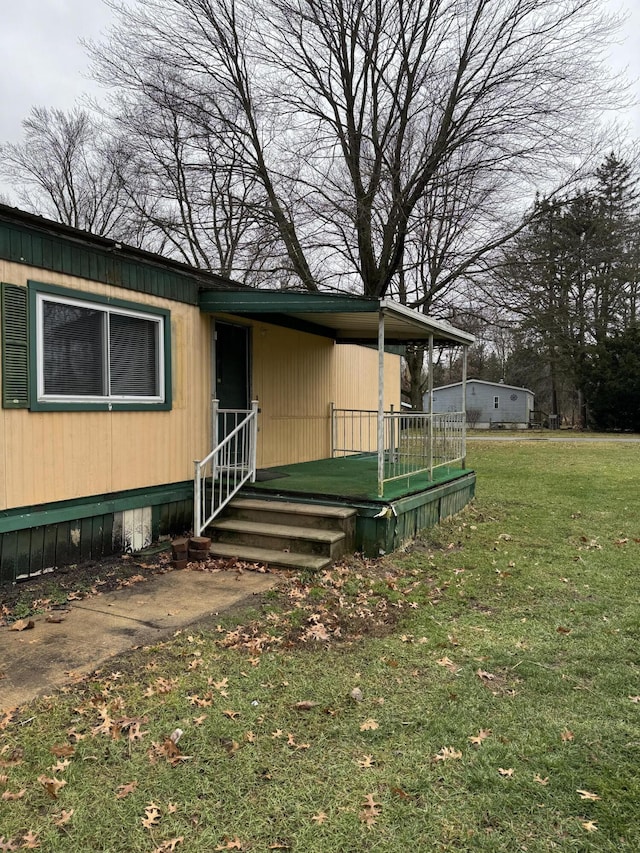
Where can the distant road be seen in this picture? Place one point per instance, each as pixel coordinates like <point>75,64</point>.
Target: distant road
<point>632,439</point>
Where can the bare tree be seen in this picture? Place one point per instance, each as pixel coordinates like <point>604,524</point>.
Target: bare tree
<point>191,188</point>
<point>69,169</point>
<point>346,111</point>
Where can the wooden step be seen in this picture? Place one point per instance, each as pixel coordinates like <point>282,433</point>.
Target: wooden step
<point>283,559</point>
<point>280,537</point>
<point>316,516</point>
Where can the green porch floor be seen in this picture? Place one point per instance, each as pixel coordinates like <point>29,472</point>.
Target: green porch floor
<point>348,477</point>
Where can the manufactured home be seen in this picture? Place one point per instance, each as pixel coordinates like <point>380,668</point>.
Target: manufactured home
<point>142,397</point>
<point>489,405</point>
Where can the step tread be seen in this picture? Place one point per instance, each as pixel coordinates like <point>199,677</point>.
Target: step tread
<point>287,531</point>
<point>339,512</point>
<point>265,555</point>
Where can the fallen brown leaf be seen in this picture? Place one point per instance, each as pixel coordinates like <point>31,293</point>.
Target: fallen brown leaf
<point>234,844</point>
<point>587,795</point>
<point>30,841</point>
<point>590,826</point>
<point>446,753</point>
<point>370,811</point>
<point>64,817</point>
<point>307,705</point>
<point>447,663</point>
<point>369,726</point>
<point>320,818</point>
<point>125,789</point>
<point>476,740</point>
<point>566,735</point>
<point>10,795</point>
<point>231,714</point>
<point>169,845</point>
<point>151,816</point>
<point>366,761</point>
<point>508,772</point>
<point>537,778</point>
<point>484,675</point>
<point>22,625</point>
<point>51,786</point>
<point>292,742</point>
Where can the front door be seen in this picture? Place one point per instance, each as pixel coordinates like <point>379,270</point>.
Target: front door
<point>231,374</point>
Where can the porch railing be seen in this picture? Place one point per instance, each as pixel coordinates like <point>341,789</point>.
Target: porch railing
<point>414,443</point>
<point>231,463</point>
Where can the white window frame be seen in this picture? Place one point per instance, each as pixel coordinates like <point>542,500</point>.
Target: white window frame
<point>496,402</point>
<point>106,310</point>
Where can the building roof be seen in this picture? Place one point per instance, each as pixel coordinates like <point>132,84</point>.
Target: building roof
<point>484,382</point>
<point>346,318</point>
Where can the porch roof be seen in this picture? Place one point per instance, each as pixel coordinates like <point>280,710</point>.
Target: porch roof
<point>346,319</point>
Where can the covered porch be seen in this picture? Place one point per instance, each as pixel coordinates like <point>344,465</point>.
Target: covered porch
<point>378,458</point>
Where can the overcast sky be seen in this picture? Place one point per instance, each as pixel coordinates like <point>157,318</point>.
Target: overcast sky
<point>44,64</point>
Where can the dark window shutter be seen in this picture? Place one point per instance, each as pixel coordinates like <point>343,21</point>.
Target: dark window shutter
<point>15,347</point>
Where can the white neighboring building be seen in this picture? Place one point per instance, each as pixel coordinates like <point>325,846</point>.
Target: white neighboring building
<point>489,404</point>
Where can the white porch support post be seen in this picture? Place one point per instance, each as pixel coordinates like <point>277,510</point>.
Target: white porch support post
<point>254,439</point>
<point>431,414</point>
<point>380,404</point>
<point>332,428</point>
<point>465,352</point>
<point>197,499</point>
<point>215,405</point>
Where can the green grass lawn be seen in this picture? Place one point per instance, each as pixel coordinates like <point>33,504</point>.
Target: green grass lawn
<point>477,692</point>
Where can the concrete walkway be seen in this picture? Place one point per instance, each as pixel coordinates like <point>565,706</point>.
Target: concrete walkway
<point>50,655</point>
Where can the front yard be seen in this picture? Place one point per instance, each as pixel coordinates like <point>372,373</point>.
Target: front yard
<point>478,692</point>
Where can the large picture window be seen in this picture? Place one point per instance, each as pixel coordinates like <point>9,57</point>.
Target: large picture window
<point>89,352</point>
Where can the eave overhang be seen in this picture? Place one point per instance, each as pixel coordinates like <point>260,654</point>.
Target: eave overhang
<point>345,319</point>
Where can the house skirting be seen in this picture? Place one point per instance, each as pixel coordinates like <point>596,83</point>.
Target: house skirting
<point>38,539</point>
<point>407,517</point>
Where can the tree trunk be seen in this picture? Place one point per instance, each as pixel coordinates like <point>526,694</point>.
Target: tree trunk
<point>417,378</point>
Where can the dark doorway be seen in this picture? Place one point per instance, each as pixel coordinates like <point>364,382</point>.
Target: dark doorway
<point>232,364</point>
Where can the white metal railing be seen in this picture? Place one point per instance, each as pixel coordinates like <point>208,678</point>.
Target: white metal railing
<point>231,463</point>
<point>414,443</point>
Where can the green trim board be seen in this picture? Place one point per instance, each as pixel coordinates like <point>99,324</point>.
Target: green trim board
<point>282,302</point>
<point>22,518</point>
<point>110,264</point>
<point>34,288</point>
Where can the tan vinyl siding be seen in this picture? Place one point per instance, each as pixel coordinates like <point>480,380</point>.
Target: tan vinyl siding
<point>53,456</point>
<point>292,379</point>
<point>356,378</point>
<point>296,376</point>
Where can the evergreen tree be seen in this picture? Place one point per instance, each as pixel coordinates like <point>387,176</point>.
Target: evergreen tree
<point>611,382</point>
